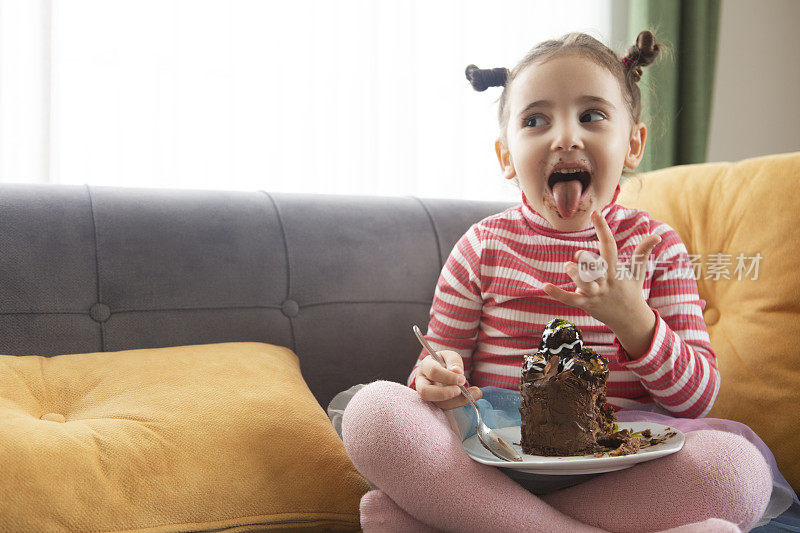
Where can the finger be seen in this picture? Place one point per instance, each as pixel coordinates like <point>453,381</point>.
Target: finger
<point>436,373</point>
<point>587,287</point>
<point>608,246</point>
<point>641,254</point>
<point>433,392</point>
<point>459,400</point>
<point>452,359</point>
<point>565,297</point>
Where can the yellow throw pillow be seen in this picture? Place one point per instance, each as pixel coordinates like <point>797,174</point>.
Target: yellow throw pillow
<point>747,208</point>
<point>197,438</point>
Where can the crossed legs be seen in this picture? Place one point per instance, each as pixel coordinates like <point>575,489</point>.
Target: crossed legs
<point>406,447</point>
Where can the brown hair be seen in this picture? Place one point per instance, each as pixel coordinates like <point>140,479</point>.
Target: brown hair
<point>627,69</point>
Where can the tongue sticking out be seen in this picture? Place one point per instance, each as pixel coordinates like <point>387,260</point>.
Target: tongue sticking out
<point>567,195</point>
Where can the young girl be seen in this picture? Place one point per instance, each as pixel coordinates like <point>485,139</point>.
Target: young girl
<point>569,127</point>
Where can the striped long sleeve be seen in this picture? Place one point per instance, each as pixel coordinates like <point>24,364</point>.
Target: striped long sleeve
<point>679,371</point>
<point>457,306</point>
<point>489,307</point>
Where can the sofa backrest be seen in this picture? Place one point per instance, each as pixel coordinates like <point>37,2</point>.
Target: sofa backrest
<point>338,279</point>
<point>741,226</point>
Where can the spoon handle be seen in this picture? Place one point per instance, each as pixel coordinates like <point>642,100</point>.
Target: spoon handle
<point>441,361</point>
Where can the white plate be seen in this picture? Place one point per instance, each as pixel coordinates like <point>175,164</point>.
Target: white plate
<point>579,464</point>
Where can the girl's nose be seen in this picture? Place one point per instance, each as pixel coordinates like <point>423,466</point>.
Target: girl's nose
<point>567,137</point>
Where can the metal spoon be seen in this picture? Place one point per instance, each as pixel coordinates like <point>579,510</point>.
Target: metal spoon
<point>490,440</point>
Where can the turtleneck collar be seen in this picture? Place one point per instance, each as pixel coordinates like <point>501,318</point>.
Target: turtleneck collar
<point>541,225</point>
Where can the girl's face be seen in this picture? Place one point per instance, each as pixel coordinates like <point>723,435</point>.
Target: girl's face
<point>569,136</point>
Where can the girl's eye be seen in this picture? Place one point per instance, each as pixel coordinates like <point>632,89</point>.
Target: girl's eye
<point>587,117</point>
<point>536,120</point>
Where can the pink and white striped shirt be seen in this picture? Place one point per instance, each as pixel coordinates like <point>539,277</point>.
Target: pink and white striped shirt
<point>490,308</point>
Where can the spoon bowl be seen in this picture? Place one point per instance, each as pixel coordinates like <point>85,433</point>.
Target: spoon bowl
<point>488,437</point>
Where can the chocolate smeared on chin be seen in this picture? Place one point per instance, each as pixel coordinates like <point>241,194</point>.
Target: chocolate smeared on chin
<point>563,395</point>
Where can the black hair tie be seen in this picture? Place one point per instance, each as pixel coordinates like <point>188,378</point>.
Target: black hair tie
<point>482,78</point>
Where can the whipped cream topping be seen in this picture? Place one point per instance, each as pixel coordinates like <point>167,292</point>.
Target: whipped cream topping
<point>556,351</point>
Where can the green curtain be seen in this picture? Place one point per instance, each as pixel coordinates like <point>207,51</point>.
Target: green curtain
<point>677,89</point>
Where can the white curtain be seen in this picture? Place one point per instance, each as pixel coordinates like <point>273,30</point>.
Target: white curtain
<point>25,95</point>
<point>344,97</point>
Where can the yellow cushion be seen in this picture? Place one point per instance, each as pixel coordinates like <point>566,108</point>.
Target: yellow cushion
<point>196,438</point>
<point>747,207</point>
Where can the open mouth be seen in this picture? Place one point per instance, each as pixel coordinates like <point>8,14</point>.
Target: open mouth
<point>570,174</point>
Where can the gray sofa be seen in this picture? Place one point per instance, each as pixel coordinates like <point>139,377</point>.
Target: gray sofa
<point>338,279</point>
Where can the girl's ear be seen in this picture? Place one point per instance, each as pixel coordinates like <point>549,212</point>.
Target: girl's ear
<point>504,157</point>
<point>636,148</point>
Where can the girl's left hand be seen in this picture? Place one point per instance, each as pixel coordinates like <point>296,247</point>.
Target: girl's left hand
<point>616,299</point>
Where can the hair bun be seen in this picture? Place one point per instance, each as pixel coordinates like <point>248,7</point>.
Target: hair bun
<point>482,78</point>
<point>641,54</point>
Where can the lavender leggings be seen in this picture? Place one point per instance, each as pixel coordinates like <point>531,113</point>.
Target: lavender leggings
<point>406,447</point>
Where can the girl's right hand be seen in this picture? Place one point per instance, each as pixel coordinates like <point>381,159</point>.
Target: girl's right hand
<point>439,385</point>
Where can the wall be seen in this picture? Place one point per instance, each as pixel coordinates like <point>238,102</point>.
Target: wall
<point>756,106</point>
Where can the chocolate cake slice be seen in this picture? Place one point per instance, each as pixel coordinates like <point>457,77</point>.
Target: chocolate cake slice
<point>563,391</point>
